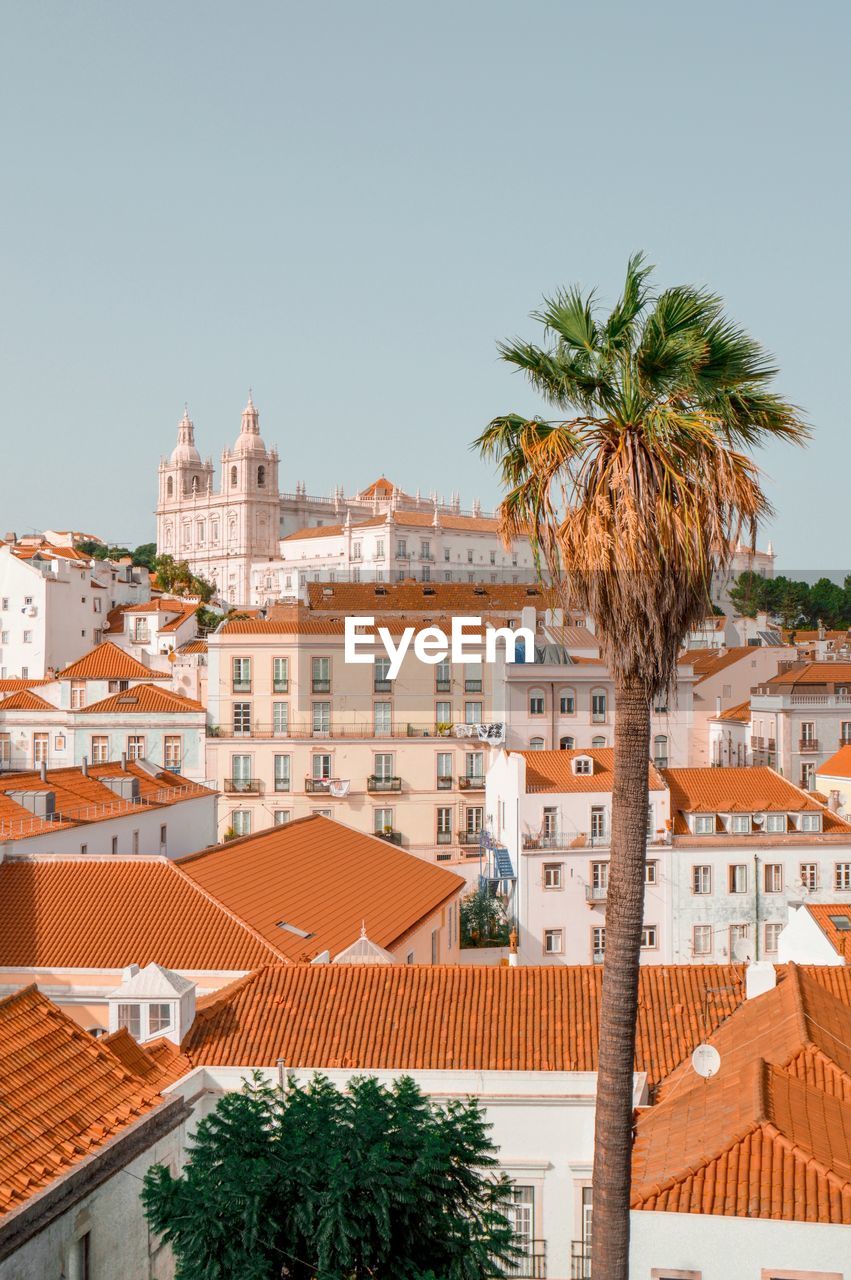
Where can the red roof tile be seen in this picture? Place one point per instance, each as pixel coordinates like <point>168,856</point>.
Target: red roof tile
<point>838,765</point>
<point>553,771</point>
<point>108,662</point>
<point>754,789</point>
<point>142,699</point>
<point>25,700</point>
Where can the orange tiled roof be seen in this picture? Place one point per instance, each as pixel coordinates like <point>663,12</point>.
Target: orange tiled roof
<point>838,765</point>
<point>755,789</point>
<point>325,879</point>
<point>770,1134</point>
<point>553,771</point>
<point>741,712</point>
<point>826,915</point>
<point>193,646</point>
<point>445,1017</point>
<point>108,662</point>
<point>455,597</point>
<point>400,520</point>
<point>380,488</point>
<point>12,685</point>
<point>708,662</point>
<point>25,700</point>
<point>812,673</point>
<point>158,1063</point>
<point>64,1095</point>
<point>107,913</point>
<point>142,699</point>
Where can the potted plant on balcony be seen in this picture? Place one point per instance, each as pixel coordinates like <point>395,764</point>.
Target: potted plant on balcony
<point>444,728</point>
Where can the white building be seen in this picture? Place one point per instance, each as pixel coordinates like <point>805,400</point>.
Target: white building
<point>54,604</point>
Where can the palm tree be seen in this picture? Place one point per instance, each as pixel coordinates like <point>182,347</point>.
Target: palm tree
<point>633,496</point>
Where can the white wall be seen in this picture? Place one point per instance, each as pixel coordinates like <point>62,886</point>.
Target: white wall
<point>190,826</point>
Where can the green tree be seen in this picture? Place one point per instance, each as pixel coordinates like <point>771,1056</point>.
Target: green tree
<point>318,1184</point>
<point>483,920</point>
<point>145,555</point>
<point>633,495</point>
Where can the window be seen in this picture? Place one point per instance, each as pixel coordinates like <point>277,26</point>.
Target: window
<point>280,718</point>
<point>320,766</point>
<point>775,822</point>
<point>536,744</point>
<point>320,675</point>
<point>704,824</point>
<point>443,713</point>
<point>233,477</point>
<point>281,817</point>
<point>739,934</point>
<point>598,706</point>
<point>842,875</point>
<point>738,878</point>
<point>810,822</point>
<point>444,770</point>
<point>242,675</point>
<point>469,556</point>
<point>402,548</point>
<point>321,717</point>
<point>536,703</point>
<point>598,822</point>
<point>159,1018</point>
<point>474,817</point>
<point>550,823</point>
<point>651,872</point>
<point>280,675</point>
<point>241,822</point>
<point>379,551</point>
<point>241,719</point>
<point>435,946</point>
<point>600,878</point>
<point>357,550</point>
<point>553,942</point>
<point>382,766</point>
<point>772,933</point>
<point>41,747</point>
<point>649,937</point>
<point>582,764</point>
<point>381,682</point>
<point>163,837</point>
<point>598,943</point>
<point>261,477</point>
<point>444,825</point>
<point>808,773</point>
<point>130,1017</point>
<point>80,1254</point>
<point>28,637</point>
<point>660,751</point>
<point>78,694</point>
<point>100,749</point>
<point>114,844</point>
<point>383,717</point>
<point>135,747</point>
<point>701,879</point>
<point>567,702</point>
<point>596,743</point>
<point>472,713</point>
<point>474,766</point>
<point>566,744</point>
<point>383,820</point>
<point>809,875</point>
<point>282,773</point>
<point>740,823</point>
<point>701,940</point>
<point>553,872</point>
<point>172,751</point>
<point>773,877</point>
<point>443,676</point>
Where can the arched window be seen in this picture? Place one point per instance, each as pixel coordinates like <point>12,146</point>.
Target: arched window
<point>536,744</point>
<point>537,702</point>
<point>598,706</point>
<point>567,702</point>
<point>214,531</point>
<point>261,477</point>
<point>201,531</point>
<point>598,742</point>
<point>233,476</point>
<point>566,744</point>
<point>169,487</point>
<point>195,486</point>
<point>660,751</point>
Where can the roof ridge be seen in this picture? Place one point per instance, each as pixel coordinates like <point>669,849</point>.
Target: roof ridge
<point>280,958</point>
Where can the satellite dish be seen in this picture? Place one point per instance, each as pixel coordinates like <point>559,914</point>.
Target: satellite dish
<point>706,1060</point>
<point>742,950</point>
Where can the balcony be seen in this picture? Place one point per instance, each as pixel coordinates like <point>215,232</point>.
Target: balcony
<point>596,895</point>
<point>140,637</point>
<point>597,957</point>
<point>532,1263</point>
<point>374,783</point>
<point>443,686</point>
<point>444,783</point>
<point>280,686</point>
<point>808,744</point>
<point>394,837</point>
<point>580,1260</point>
<point>471,781</point>
<point>552,840</point>
<point>472,686</point>
<point>317,786</point>
<point>382,686</point>
<point>243,786</point>
<point>598,717</point>
<point>320,686</point>
<point>241,686</point>
<point>470,838</point>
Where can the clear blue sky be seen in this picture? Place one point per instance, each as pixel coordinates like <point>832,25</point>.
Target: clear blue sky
<point>345,204</point>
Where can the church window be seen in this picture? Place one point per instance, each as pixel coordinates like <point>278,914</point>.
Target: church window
<point>195,485</point>
<point>261,477</point>
<point>169,487</point>
<point>233,475</point>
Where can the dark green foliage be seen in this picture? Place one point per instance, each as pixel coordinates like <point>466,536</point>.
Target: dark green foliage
<point>176,577</point>
<point>145,554</point>
<point>323,1185</point>
<point>793,604</point>
<point>483,920</point>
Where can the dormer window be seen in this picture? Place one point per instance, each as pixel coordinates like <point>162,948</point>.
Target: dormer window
<point>775,822</point>
<point>810,822</point>
<point>583,765</point>
<point>130,1016</point>
<point>159,1018</point>
<point>703,824</point>
<point>740,823</point>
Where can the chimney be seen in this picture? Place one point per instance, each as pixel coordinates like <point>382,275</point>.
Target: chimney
<point>760,976</point>
<point>833,803</point>
<point>124,761</point>
<point>42,771</point>
<point>84,766</point>
<point>512,953</point>
<point>717,705</point>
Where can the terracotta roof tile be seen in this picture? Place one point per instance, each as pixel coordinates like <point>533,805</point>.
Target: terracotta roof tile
<point>831,918</point>
<point>708,662</point>
<point>64,1095</point>
<point>838,765</point>
<point>812,673</point>
<point>401,520</point>
<point>12,685</point>
<point>25,700</point>
<point>454,597</point>
<point>193,646</point>
<point>108,662</point>
<point>323,878</point>
<point>142,699</point>
<point>553,771</point>
<point>741,712</point>
<point>464,1017</point>
<point>158,1062</point>
<point>107,913</point>
<point>746,790</point>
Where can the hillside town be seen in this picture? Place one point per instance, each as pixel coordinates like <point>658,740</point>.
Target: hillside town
<point>227,853</point>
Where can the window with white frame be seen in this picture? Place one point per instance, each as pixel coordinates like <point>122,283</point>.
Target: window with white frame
<point>772,933</point>
<point>130,1017</point>
<point>537,703</point>
<point>240,820</point>
<point>842,875</point>
<point>553,941</point>
<point>737,878</point>
<point>600,877</point>
<point>135,746</point>
<point>472,713</point>
<point>773,873</point>
<point>649,937</point>
<point>241,719</point>
<point>159,1018</point>
<point>598,706</point>
<point>598,942</point>
<point>41,748</point>
<point>172,751</point>
<point>701,879</point>
<point>283,773</point>
<point>597,743</point>
<point>567,702</point>
<point>740,823</point>
<point>241,675</point>
<point>651,872</point>
<point>280,675</point>
<point>382,821</point>
<point>739,936</point>
<point>809,875</point>
<point>444,825</point>
<point>701,940</point>
<point>281,817</point>
<point>775,822</point>
<point>444,770</point>
<point>582,764</point>
<point>320,675</point>
<point>280,718</point>
<point>599,826</point>
<point>100,748</point>
<point>78,694</point>
<point>321,713</point>
<point>703,824</point>
<point>383,717</point>
<point>810,822</point>
<point>536,744</point>
<point>660,751</point>
<point>553,873</point>
<point>320,765</point>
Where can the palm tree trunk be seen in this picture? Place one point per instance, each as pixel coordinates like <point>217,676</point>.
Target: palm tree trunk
<point>619,1006</point>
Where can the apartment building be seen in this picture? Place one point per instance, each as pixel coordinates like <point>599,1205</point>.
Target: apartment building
<point>54,603</point>
<point>727,851</point>
<point>801,717</point>
<point>156,628</point>
<point>723,679</point>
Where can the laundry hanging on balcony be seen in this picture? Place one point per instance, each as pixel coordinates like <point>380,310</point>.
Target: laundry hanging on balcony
<point>339,787</point>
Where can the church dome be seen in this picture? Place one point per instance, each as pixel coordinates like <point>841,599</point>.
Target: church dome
<point>249,439</point>
<point>184,451</point>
